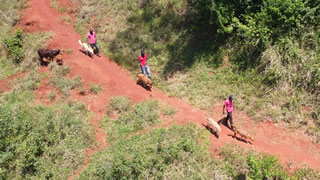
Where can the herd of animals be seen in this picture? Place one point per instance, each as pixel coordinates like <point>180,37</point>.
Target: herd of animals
<point>48,55</point>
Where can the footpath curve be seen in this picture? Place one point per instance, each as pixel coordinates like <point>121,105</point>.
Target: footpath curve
<point>291,147</point>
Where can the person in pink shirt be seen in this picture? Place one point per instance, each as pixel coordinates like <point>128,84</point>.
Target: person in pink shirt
<point>228,104</point>
<point>143,64</point>
<point>91,36</point>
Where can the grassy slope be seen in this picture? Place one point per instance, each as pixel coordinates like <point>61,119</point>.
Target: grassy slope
<point>178,152</point>
<point>199,66</point>
<point>36,141</point>
<point>9,18</point>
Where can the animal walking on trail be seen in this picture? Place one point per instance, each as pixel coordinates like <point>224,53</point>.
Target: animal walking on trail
<point>213,126</point>
<point>86,49</point>
<point>144,81</point>
<point>47,54</point>
<point>243,135</point>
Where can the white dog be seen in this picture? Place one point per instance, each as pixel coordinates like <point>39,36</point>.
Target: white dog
<point>87,48</point>
<point>214,126</point>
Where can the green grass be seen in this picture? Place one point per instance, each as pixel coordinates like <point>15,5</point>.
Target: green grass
<point>56,5</point>
<point>38,141</point>
<point>130,119</point>
<point>173,153</point>
<point>177,152</point>
<point>204,67</point>
<point>64,84</point>
<point>95,88</point>
<point>31,42</point>
<point>52,95</point>
<point>118,104</point>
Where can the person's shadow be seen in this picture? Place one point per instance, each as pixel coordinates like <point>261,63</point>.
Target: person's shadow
<point>225,121</point>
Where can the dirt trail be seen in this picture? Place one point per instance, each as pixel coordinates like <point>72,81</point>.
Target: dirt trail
<point>115,81</point>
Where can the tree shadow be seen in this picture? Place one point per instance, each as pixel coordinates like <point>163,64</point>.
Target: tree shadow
<point>184,41</point>
<point>192,47</point>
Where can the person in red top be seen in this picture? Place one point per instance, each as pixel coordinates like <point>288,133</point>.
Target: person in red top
<point>228,104</point>
<point>91,36</point>
<point>143,64</point>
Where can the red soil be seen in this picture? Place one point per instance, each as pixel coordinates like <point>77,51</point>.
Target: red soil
<point>292,147</point>
<point>5,84</point>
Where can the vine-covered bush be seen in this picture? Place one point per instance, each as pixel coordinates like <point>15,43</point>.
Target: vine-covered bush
<point>14,45</point>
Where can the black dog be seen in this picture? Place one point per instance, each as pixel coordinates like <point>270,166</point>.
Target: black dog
<point>47,53</point>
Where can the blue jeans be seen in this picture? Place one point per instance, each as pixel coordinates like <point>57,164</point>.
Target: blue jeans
<point>144,69</point>
<point>95,46</point>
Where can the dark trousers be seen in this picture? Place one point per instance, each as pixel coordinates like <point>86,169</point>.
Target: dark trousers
<point>229,117</point>
<point>95,48</point>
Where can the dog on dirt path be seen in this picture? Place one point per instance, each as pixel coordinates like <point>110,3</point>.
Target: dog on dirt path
<point>243,135</point>
<point>87,49</point>
<point>144,81</point>
<point>213,126</point>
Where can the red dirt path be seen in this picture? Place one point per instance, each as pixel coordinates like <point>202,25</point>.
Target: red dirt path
<point>291,147</point>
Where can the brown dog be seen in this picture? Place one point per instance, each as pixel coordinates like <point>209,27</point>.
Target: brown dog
<point>144,81</point>
<point>243,135</point>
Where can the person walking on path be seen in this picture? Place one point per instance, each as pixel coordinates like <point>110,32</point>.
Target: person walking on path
<point>91,36</point>
<point>228,104</point>
<point>143,64</point>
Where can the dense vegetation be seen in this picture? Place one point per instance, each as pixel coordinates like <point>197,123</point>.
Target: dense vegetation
<point>264,52</point>
<point>178,152</point>
<point>36,141</point>
<point>201,50</point>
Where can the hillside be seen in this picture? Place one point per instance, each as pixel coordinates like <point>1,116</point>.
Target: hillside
<point>49,114</point>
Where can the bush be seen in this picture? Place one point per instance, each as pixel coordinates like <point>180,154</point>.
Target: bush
<point>131,119</point>
<point>95,88</point>
<point>119,104</point>
<point>38,141</point>
<point>174,153</point>
<point>169,111</point>
<point>64,84</point>
<point>14,45</point>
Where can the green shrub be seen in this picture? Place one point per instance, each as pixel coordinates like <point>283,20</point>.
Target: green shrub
<point>119,104</point>
<point>95,88</point>
<point>265,168</point>
<point>64,84</point>
<point>14,45</point>
<point>41,142</point>
<point>130,119</point>
<point>169,111</point>
<point>174,153</point>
